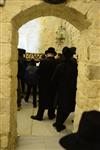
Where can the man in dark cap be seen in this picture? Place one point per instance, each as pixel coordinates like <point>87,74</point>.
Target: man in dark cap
<point>64,82</point>
<point>45,71</point>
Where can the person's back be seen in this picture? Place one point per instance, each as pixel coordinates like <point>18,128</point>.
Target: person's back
<point>45,71</point>
<point>63,81</point>
<point>31,76</point>
<point>31,79</point>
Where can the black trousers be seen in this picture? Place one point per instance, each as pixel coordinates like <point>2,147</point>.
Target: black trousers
<point>34,93</point>
<point>41,110</point>
<point>19,93</point>
<point>23,85</point>
<point>62,115</point>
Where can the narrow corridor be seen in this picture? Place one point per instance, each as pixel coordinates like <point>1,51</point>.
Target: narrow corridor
<point>38,135</point>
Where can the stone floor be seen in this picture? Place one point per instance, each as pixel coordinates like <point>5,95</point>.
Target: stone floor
<point>38,135</point>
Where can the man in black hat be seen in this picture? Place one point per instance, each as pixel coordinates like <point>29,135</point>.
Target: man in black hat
<point>64,83</point>
<point>46,98</point>
<point>21,72</point>
<point>88,135</point>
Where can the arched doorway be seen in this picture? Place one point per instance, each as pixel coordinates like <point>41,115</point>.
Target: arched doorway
<point>49,29</point>
<point>71,15</point>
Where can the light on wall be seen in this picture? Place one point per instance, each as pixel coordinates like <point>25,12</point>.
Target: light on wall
<point>2,2</point>
<point>61,34</point>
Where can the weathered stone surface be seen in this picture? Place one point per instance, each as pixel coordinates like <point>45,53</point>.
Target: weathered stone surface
<point>94,54</point>
<point>8,53</point>
<point>4,105</point>
<point>70,33</point>
<point>87,102</point>
<point>90,89</point>
<point>78,113</point>
<point>4,142</point>
<point>8,87</point>
<point>9,70</point>
<point>5,123</point>
<point>94,72</point>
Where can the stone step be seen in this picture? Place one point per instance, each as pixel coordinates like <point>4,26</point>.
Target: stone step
<point>38,143</point>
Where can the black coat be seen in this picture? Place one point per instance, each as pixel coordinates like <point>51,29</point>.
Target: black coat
<point>45,72</point>
<point>31,76</point>
<point>64,82</point>
<point>22,64</point>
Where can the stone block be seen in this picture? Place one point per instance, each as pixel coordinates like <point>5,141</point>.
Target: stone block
<point>94,72</point>
<point>4,123</point>
<point>81,100</point>
<point>96,25</point>
<point>5,88</point>
<point>14,38</point>
<point>9,70</point>
<point>5,105</point>
<point>89,88</point>
<point>96,41</point>
<point>8,87</point>
<point>94,54</point>
<point>9,12</point>
<point>82,70</point>
<point>85,102</point>
<point>94,103</point>
<point>8,53</point>
<point>93,11</point>
<point>9,34</point>
<point>6,32</point>
<point>4,142</point>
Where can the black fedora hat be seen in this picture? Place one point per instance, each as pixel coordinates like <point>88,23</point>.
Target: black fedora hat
<point>21,51</point>
<point>88,135</point>
<point>51,50</point>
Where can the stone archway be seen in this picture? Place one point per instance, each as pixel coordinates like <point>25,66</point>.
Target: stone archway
<point>73,16</point>
<point>77,19</point>
<point>89,66</point>
<point>21,18</point>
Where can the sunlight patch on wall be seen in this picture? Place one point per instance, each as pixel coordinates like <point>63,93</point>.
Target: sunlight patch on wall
<point>29,36</point>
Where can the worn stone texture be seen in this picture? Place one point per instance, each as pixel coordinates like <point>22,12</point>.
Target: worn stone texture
<point>5,57</point>
<point>9,70</point>
<point>8,87</point>
<point>70,33</point>
<point>84,15</point>
<point>94,72</point>
<point>5,124</point>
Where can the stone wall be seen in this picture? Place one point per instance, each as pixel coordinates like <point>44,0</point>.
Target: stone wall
<point>8,86</point>
<point>88,87</point>
<point>50,26</point>
<point>84,15</point>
